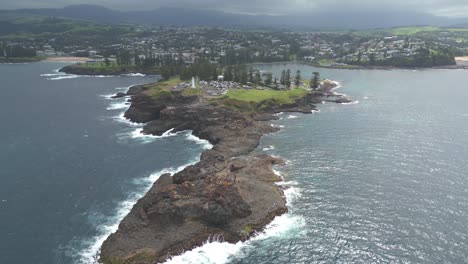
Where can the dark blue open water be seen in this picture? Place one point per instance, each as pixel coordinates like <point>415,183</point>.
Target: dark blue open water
<point>67,165</point>
<point>382,181</point>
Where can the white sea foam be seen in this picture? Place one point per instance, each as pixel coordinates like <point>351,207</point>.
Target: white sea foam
<point>121,118</point>
<point>292,117</point>
<point>338,85</point>
<point>269,148</point>
<point>53,74</point>
<point>145,138</point>
<point>125,89</point>
<point>351,103</point>
<point>366,97</point>
<point>315,111</point>
<point>205,143</point>
<point>63,77</point>
<point>135,75</point>
<point>217,252</point>
<point>90,254</point>
<point>107,96</point>
<point>118,105</point>
<point>277,126</point>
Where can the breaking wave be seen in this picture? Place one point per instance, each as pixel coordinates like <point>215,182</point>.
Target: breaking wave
<point>110,224</point>
<point>219,252</point>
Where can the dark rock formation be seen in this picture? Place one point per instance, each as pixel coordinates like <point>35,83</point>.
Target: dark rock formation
<point>119,95</point>
<point>231,193</point>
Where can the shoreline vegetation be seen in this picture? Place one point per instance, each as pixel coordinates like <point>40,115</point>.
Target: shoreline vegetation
<point>231,194</point>
<point>100,68</point>
<point>21,59</point>
<point>67,59</point>
<point>41,58</point>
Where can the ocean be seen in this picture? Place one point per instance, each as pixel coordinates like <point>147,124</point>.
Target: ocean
<point>382,180</point>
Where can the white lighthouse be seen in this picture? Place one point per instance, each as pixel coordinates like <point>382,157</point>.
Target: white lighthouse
<point>193,83</point>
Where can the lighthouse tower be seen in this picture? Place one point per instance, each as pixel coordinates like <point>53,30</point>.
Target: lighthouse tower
<point>193,83</point>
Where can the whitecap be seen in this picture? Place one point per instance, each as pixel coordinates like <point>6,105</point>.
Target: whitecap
<point>315,111</point>
<point>292,117</point>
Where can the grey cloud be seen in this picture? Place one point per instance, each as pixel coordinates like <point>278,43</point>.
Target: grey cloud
<point>449,8</point>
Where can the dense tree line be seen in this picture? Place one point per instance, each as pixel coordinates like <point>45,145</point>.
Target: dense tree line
<point>16,52</point>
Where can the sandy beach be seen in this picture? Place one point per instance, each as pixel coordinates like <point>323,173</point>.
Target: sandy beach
<point>67,59</point>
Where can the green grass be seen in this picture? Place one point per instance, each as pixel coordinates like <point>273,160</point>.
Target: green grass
<point>258,101</point>
<point>192,92</point>
<point>258,96</point>
<point>325,62</point>
<point>413,30</point>
<point>160,89</point>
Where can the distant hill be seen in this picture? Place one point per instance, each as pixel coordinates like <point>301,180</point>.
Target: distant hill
<point>182,16</point>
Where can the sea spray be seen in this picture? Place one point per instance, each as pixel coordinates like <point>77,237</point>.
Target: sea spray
<point>351,103</point>
<point>118,105</point>
<point>134,75</point>
<point>217,252</point>
<point>268,148</point>
<point>293,117</point>
<point>121,119</point>
<point>91,252</point>
<point>63,77</point>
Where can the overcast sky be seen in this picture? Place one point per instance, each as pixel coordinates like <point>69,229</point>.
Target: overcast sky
<point>447,8</point>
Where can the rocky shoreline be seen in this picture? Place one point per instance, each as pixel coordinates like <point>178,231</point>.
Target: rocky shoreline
<point>231,194</point>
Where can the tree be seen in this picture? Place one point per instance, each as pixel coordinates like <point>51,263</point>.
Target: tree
<point>275,83</point>
<point>372,59</point>
<point>107,62</point>
<point>283,78</point>
<point>268,80</point>
<point>315,81</point>
<point>228,74</point>
<point>251,78</point>
<point>297,79</point>
<point>258,78</point>
<point>288,78</point>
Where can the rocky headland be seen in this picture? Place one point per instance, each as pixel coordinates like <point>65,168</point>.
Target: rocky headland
<point>229,195</point>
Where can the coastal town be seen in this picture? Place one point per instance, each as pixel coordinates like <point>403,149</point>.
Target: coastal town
<point>230,46</point>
